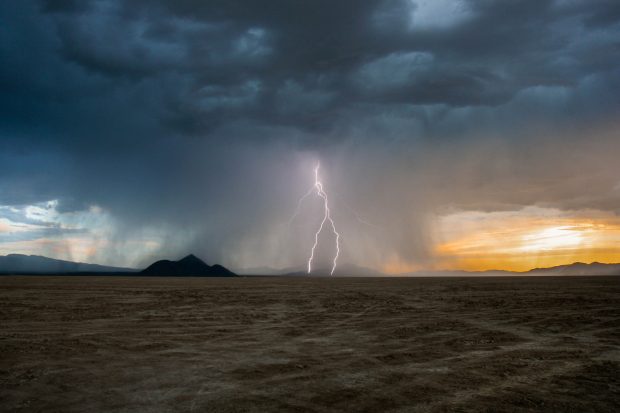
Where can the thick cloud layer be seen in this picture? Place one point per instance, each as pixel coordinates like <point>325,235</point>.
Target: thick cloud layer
<point>200,122</point>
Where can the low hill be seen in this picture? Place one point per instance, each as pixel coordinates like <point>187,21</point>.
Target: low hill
<point>188,266</point>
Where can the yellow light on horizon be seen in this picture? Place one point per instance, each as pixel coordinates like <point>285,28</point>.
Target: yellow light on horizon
<point>525,239</point>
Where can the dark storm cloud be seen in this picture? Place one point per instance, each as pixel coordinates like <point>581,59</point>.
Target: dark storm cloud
<point>191,115</point>
<point>297,63</point>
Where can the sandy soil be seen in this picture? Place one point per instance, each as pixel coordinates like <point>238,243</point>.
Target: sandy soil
<point>76,344</point>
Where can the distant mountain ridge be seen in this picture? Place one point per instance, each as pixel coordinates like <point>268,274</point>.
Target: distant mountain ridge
<point>188,266</point>
<point>37,264</point>
<point>194,266</point>
<point>345,270</point>
<point>574,269</point>
<point>578,268</point>
<point>350,270</point>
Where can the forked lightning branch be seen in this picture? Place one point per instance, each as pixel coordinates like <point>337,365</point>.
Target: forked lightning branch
<point>326,221</point>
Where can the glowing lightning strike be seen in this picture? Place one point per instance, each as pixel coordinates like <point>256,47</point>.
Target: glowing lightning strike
<point>318,185</point>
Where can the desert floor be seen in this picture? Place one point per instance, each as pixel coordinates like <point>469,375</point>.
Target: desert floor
<point>89,344</point>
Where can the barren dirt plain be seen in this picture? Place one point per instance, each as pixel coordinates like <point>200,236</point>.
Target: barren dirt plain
<point>115,344</point>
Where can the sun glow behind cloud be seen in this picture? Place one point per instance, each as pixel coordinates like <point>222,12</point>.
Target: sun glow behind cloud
<point>554,238</point>
<point>525,239</point>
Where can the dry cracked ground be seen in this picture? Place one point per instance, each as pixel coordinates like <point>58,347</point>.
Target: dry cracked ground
<point>77,344</point>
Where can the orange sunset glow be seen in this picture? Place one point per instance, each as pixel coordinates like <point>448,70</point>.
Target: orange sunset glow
<point>526,239</point>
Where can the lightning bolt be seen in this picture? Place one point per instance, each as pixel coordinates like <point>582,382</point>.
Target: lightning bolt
<point>318,185</point>
<point>317,188</point>
<point>301,200</point>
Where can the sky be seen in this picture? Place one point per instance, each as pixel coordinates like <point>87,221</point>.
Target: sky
<point>451,134</point>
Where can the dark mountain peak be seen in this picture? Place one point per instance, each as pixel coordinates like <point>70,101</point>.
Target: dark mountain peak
<point>187,266</point>
<point>222,271</point>
<point>192,259</point>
